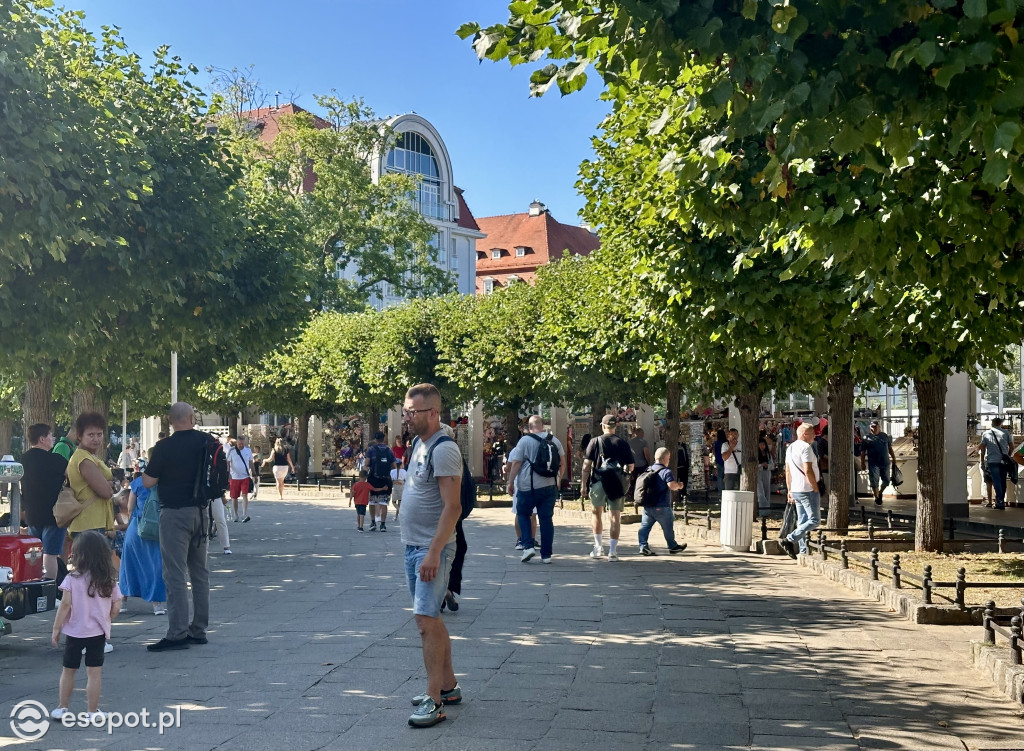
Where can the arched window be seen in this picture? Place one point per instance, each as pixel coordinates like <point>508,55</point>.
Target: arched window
<point>412,155</point>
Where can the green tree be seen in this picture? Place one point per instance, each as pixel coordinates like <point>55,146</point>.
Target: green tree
<point>891,150</point>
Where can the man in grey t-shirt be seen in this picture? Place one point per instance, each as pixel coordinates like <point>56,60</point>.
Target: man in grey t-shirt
<point>997,444</point>
<point>535,491</point>
<point>432,505</point>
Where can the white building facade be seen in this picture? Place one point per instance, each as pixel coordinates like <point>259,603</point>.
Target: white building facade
<point>419,151</point>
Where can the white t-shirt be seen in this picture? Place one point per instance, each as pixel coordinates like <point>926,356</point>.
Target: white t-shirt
<point>798,454</point>
<point>397,483</point>
<point>732,464</point>
<point>239,462</point>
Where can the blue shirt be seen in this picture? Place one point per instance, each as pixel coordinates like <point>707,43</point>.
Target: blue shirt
<point>665,476</point>
<point>141,494</point>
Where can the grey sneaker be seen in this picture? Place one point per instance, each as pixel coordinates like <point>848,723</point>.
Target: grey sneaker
<point>447,697</point>
<point>427,714</point>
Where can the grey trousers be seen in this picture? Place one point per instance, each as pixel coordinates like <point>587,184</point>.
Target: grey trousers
<point>183,547</point>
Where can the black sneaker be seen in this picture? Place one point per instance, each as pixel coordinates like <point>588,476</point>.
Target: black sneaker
<point>789,547</point>
<point>383,527</point>
<point>373,527</point>
<point>453,605</point>
<point>646,550</point>
<point>678,548</point>
<point>165,644</point>
<point>196,639</point>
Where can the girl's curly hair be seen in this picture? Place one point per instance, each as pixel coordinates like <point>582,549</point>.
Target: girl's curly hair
<point>90,554</point>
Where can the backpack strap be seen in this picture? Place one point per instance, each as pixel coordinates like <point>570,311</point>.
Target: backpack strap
<point>430,452</point>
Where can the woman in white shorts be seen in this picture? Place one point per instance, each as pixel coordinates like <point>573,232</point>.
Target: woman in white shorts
<point>282,464</point>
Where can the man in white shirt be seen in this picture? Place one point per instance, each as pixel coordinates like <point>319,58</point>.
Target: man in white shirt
<point>731,461</point>
<point>239,461</point>
<point>802,478</point>
<point>537,467</point>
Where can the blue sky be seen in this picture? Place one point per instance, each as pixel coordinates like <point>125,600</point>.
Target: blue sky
<point>399,56</point>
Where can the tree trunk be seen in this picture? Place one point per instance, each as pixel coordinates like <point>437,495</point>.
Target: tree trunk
<point>6,432</point>
<point>749,405</point>
<point>301,442</point>
<point>596,413</point>
<point>840,449</point>
<point>672,429</point>
<point>37,403</point>
<point>512,434</point>
<point>931,398</point>
<point>82,400</point>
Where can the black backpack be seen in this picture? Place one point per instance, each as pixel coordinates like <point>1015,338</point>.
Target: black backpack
<point>378,467</point>
<point>212,478</point>
<point>648,486</point>
<point>548,458</point>
<point>468,491</point>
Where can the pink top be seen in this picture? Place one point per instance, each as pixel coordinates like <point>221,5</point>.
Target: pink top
<point>90,616</point>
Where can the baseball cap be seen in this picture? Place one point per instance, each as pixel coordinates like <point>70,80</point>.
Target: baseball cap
<point>378,436</point>
<point>609,420</point>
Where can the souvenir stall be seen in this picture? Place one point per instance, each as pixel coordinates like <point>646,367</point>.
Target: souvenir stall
<point>344,440</point>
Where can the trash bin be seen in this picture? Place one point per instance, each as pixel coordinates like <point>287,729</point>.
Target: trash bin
<point>737,520</point>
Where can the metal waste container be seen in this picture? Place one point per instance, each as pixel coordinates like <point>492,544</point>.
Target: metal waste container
<point>737,531</point>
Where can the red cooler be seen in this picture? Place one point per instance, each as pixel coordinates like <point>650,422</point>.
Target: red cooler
<point>23,554</point>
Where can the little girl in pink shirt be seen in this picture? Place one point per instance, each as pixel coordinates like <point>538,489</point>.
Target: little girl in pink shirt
<point>91,600</point>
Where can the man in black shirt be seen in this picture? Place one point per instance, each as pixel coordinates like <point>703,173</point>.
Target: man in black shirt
<point>610,459</point>
<point>44,477</point>
<point>173,467</point>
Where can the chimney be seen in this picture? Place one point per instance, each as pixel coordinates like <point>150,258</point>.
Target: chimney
<point>537,208</point>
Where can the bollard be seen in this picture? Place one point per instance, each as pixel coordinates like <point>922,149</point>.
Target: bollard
<point>824,545</point>
<point>298,486</point>
<point>871,529</point>
<point>961,587</point>
<point>318,485</point>
<point>874,564</point>
<point>1015,640</point>
<point>686,513</point>
<point>889,517</point>
<point>896,580</point>
<point>764,528</point>
<point>986,622</point>
<point>709,518</point>
<point>999,542</point>
<point>843,555</point>
<point>926,585</point>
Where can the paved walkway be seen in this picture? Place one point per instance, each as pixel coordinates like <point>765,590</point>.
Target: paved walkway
<point>313,647</point>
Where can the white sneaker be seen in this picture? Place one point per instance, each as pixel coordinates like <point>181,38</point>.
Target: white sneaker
<point>545,560</point>
<point>58,713</point>
<point>597,552</point>
<point>97,718</point>
<point>528,553</point>
<point>159,609</point>
<point>108,648</point>
<point>613,556</point>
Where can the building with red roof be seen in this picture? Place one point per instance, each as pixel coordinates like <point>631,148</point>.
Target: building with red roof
<point>516,245</point>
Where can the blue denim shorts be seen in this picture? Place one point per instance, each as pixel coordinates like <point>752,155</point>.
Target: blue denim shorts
<point>427,596</point>
<point>52,538</point>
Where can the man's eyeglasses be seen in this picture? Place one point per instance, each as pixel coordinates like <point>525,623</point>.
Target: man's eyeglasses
<point>411,412</point>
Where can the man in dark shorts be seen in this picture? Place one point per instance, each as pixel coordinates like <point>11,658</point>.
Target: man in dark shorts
<point>610,461</point>
<point>44,477</point>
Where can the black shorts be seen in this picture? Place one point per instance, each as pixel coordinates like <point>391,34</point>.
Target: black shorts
<point>93,647</point>
<point>361,509</point>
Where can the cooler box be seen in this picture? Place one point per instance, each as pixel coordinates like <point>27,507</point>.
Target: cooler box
<point>22,554</point>
<point>27,598</point>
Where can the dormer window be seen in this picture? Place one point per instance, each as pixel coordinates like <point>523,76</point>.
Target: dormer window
<point>488,285</point>
<point>481,255</point>
<point>495,253</point>
<point>520,251</point>
<point>512,279</point>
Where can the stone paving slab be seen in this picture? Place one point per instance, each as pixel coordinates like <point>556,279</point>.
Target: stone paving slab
<point>313,646</point>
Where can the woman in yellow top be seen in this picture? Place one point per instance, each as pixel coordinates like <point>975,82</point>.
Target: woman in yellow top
<point>90,478</point>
